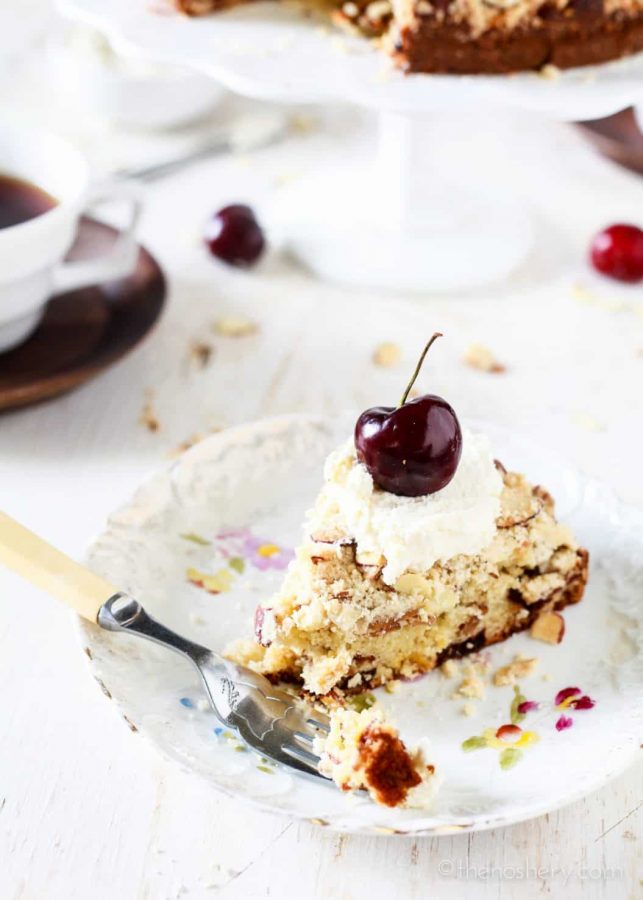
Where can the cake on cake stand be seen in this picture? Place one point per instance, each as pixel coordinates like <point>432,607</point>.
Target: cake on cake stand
<point>417,230</point>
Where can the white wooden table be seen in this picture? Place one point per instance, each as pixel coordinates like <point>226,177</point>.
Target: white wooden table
<point>87,810</point>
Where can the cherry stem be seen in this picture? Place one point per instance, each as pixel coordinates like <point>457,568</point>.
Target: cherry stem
<point>417,369</point>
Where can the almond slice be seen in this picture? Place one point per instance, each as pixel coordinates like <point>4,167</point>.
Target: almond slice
<point>517,507</point>
<point>548,627</point>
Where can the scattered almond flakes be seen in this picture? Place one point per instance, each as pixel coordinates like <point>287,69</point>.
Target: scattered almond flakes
<point>471,685</point>
<point>285,178</point>
<point>584,295</point>
<point>235,326</point>
<point>200,353</point>
<point>387,354</point>
<point>549,72</point>
<point>587,421</point>
<point>468,709</point>
<point>449,668</point>
<point>480,357</point>
<point>301,123</point>
<point>548,627</point>
<point>519,667</point>
<point>148,416</point>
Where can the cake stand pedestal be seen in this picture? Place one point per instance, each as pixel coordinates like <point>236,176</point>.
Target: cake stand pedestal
<point>402,222</point>
<point>398,223</point>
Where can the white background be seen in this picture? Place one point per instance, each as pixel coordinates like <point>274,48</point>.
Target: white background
<point>86,809</point>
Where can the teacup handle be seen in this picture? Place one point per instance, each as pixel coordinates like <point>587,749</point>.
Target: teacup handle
<point>121,259</point>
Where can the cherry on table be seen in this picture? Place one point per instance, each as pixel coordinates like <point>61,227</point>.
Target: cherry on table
<point>413,449</point>
<point>234,236</point>
<point>617,251</point>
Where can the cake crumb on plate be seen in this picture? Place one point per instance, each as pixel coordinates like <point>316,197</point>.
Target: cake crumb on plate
<point>519,667</point>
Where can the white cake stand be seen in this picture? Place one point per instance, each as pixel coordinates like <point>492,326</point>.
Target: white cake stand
<point>398,225</point>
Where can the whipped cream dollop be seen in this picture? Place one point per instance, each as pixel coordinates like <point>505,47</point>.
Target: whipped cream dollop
<point>411,533</point>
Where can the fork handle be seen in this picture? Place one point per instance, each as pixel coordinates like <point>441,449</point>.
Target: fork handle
<point>52,571</point>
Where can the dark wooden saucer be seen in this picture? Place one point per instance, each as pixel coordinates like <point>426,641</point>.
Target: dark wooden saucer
<point>617,137</point>
<point>85,331</point>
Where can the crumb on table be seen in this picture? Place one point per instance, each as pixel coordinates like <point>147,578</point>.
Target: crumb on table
<point>200,353</point>
<point>235,326</point>
<point>148,417</point>
<point>480,357</point>
<point>387,355</point>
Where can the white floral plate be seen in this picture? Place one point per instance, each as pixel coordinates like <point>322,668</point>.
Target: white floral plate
<point>205,540</point>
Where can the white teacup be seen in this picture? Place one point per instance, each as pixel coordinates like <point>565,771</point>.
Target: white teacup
<point>32,253</point>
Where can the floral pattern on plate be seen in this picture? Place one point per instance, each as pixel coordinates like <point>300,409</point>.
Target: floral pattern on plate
<point>510,739</point>
<point>239,548</point>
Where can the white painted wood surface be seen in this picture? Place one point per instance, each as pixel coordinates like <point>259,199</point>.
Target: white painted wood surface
<point>87,810</point>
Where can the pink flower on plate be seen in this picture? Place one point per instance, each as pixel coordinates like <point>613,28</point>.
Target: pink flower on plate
<point>583,702</point>
<point>564,722</point>
<point>232,542</point>
<point>263,554</point>
<point>566,694</point>
<point>573,698</point>
<point>241,544</point>
<point>567,699</point>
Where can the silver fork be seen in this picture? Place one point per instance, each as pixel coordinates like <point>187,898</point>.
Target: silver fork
<point>269,719</point>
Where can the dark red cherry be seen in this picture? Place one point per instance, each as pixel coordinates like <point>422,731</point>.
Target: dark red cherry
<point>413,449</point>
<point>618,252</point>
<point>234,235</point>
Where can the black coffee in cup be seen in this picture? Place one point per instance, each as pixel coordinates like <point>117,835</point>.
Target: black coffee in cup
<point>21,200</point>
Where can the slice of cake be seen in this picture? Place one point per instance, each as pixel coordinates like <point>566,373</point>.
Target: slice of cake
<point>388,584</point>
<point>388,587</point>
<point>484,36</point>
<point>496,36</point>
<point>364,752</point>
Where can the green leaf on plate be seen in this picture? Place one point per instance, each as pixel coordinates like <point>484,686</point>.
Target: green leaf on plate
<point>195,539</point>
<point>509,757</point>
<point>238,564</point>
<point>519,698</point>
<point>477,742</point>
